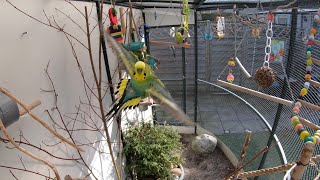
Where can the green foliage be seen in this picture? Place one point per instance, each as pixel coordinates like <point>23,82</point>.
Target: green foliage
<point>151,150</point>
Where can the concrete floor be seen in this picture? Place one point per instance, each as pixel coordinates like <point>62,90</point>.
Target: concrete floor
<point>219,114</point>
<point>225,114</point>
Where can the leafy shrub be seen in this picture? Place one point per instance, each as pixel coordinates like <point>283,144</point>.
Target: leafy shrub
<point>152,150</point>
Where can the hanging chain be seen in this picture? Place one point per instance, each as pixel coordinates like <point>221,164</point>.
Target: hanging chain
<point>267,50</point>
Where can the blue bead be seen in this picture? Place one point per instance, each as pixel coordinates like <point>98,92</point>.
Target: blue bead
<point>308,139</point>
<point>309,48</point>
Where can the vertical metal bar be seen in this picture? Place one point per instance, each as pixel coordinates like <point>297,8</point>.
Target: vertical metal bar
<point>184,79</point>
<point>146,34</point>
<point>105,55</point>
<point>294,15</point>
<point>195,70</point>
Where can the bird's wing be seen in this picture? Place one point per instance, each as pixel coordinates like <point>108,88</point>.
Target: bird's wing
<point>163,97</point>
<point>127,57</point>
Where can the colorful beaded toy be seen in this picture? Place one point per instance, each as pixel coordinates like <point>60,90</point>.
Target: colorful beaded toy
<point>115,29</point>
<point>298,127</point>
<point>310,43</point>
<point>231,65</point>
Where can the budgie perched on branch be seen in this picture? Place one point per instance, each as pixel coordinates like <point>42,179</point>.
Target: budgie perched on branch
<point>143,82</point>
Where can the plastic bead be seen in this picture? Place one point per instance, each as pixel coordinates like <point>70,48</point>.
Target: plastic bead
<point>294,122</point>
<point>309,48</point>
<point>304,91</point>
<point>300,131</point>
<point>309,68</point>
<point>313,30</point>
<point>317,134</point>
<point>315,25</point>
<point>318,139</point>
<point>316,17</point>
<point>297,127</point>
<point>311,37</point>
<point>298,104</point>
<point>296,109</point>
<point>270,16</point>
<point>307,77</point>
<point>309,62</point>
<point>231,64</point>
<point>304,134</point>
<point>318,131</point>
<point>310,42</point>
<point>230,78</point>
<point>306,85</point>
<point>308,54</point>
<point>308,138</point>
<point>314,139</point>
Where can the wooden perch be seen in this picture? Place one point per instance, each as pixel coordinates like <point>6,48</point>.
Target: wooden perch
<point>30,107</point>
<point>303,161</point>
<point>315,61</point>
<point>255,93</point>
<point>309,105</point>
<point>305,122</point>
<point>314,83</point>
<point>248,75</point>
<point>160,43</point>
<point>36,118</point>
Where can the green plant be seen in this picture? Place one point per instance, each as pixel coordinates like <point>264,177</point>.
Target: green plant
<point>152,150</point>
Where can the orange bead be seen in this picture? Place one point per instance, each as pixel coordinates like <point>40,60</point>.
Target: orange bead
<point>307,77</point>
<point>313,30</point>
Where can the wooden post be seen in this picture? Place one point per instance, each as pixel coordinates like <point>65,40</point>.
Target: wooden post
<point>123,23</point>
<point>30,107</point>
<point>243,152</point>
<point>304,160</point>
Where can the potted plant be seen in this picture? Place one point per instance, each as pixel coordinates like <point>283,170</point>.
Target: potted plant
<point>151,151</point>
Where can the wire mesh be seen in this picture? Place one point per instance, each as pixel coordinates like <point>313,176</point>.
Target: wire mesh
<point>225,115</point>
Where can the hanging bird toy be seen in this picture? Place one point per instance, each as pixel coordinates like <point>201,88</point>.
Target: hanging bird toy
<point>310,43</point>
<point>208,34</point>
<point>265,76</point>
<point>220,27</point>
<point>115,29</point>
<point>231,65</point>
<point>182,32</point>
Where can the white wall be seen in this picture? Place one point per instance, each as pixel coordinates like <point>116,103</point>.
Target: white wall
<point>22,62</point>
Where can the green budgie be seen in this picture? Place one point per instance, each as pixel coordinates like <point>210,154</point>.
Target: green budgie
<point>143,82</point>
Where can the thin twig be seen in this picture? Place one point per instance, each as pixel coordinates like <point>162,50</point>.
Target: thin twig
<point>4,91</point>
<point>5,132</point>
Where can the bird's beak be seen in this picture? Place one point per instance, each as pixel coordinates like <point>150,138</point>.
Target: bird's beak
<point>139,70</point>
